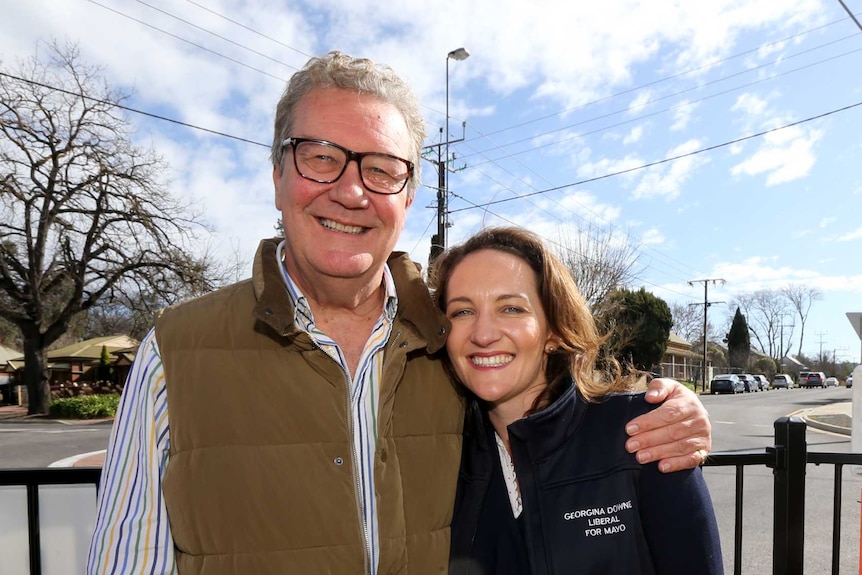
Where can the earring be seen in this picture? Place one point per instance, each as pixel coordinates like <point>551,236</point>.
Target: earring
<point>550,349</point>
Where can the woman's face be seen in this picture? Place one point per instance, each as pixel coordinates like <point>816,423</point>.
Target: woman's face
<point>499,330</point>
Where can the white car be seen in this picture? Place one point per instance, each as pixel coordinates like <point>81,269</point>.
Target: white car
<point>830,382</point>
<point>782,380</point>
<point>849,381</point>
<point>762,382</point>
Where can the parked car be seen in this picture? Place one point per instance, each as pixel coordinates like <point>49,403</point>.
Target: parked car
<point>762,382</point>
<point>849,381</point>
<point>814,379</point>
<point>803,375</point>
<point>726,383</point>
<point>782,380</point>
<point>749,382</point>
<point>830,382</point>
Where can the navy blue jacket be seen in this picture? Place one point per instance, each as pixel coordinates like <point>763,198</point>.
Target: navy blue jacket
<point>588,506</point>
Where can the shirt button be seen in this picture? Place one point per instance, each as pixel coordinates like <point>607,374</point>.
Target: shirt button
<point>338,461</point>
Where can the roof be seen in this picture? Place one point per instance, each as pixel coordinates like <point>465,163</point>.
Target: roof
<point>793,362</point>
<point>673,338</point>
<point>89,349</point>
<point>92,348</point>
<point>7,353</point>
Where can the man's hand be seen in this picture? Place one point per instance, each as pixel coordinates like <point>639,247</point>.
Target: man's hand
<point>676,434</point>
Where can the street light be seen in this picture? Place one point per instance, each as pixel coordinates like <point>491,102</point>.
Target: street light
<point>442,167</point>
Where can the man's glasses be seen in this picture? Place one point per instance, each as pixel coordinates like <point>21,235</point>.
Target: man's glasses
<point>324,162</point>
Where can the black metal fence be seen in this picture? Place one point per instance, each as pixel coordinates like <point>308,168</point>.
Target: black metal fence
<point>788,459</point>
<point>32,479</point>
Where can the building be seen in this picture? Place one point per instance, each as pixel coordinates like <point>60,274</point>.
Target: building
<point>679,361</point>
<point>76,363</point>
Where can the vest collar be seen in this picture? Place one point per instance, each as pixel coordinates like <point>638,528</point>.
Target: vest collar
<point>415,305</point>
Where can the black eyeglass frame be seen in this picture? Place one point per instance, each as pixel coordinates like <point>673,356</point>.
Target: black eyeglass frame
<point>351,156</point>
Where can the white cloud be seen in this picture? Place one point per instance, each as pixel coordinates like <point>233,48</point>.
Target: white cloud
<point>634,135</point>
<point>784,155</point>
<point>682,115</point>
<point>750,105</point>
<point>653,236</point>
<point>852,235</point>
<point>666,180</point>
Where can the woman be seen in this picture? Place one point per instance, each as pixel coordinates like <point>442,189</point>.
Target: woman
<point>546,485</point>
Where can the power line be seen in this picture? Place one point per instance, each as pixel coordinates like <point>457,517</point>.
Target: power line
<point>668,159</point>
<point>853,16</point>
<point>210,32</point>
<point>181,39</point>
<point>662,111</point>
<point>252,30</point>
<point>133,110</point>
<point>700,68</point>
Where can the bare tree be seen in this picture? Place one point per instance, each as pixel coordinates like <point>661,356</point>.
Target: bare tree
<point>601,261</point>
<point>801,297</point>
<point>84,214</point>
<point>765,311</point>
<point>687,322</point>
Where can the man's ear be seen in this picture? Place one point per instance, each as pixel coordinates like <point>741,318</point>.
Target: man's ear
<point>276,178</point>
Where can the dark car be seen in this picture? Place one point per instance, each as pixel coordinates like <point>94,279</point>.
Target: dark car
<point>814,379</point>
<point>726,383</point>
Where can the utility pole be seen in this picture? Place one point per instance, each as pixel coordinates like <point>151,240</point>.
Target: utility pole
<point>706,304</point>
<point>441,164</point>
<point>438,241</point>
<point>820,355</point>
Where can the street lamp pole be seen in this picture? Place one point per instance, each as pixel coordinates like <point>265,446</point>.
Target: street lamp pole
<point>443,166</point>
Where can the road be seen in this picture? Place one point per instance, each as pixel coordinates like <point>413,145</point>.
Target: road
<point>742,423</point>
<point>30,444</point>
<point>739,422</point>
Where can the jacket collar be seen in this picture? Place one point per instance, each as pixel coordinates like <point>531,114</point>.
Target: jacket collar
<point>545,431</point>
<point>415,305</point>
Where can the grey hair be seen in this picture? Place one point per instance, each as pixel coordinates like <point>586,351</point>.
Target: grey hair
<point>338,70</point>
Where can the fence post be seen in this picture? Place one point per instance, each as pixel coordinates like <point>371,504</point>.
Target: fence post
<point>791,454</point>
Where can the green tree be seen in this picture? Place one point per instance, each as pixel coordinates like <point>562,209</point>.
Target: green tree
<point>638,324</point>
<point>738,342</point>
<point>85,216</point>
<point>104,369</point>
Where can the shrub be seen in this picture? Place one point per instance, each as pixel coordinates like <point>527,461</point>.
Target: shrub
<point>85,406</point>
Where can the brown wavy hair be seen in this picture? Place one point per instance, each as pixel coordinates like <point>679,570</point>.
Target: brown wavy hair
<point>578,354</point>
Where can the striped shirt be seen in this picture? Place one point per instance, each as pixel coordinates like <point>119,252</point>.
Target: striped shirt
<point>132,534</point>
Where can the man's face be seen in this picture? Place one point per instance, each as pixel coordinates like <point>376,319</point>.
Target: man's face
<point>341,230</point>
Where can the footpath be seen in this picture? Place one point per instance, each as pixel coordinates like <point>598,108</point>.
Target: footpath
<point>835,418</point>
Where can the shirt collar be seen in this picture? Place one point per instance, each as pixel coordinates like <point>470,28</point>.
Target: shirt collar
<point>302,310</point>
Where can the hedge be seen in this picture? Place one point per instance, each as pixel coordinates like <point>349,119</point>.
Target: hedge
<point>85,406</point>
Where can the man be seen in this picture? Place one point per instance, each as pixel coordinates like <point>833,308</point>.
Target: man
<point>312,428</point>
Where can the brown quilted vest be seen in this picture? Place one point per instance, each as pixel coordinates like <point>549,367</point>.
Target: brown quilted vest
<point>260,478</point>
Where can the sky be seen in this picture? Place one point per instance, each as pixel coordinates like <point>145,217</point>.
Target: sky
<point>720,139</point>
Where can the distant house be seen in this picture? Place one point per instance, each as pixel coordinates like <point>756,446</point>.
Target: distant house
<point>7,369</point>
<point>792,365</point>
<point>7,372</point>
<point>679,361</point>
<point>76,362</point>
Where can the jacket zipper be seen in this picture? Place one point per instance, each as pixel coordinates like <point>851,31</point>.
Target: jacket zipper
<point>357,489</point>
